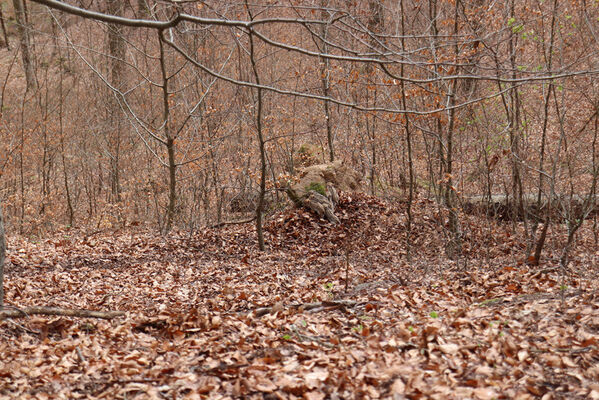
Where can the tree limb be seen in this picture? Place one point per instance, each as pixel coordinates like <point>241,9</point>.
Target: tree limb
<point>27,311</point>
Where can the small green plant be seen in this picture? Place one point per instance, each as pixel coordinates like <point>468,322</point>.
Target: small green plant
<point>563,287</point>
<point>358,328</point>
<point>317,187</point>
<point>287,337</point>
<point>411,328</point>
<point>329,288</point>
<point>434,314</point>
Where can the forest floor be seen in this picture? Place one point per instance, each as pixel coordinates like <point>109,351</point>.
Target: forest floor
<point>325,312</point>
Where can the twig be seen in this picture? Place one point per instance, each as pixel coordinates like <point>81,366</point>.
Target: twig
<point>565,350</point>
<point>346,268</point>
<point>225,223</point>
<point>23,327</point>
<point>26,311</point>
<point>80,355</point>
<point>544,271</point>
<point>303,337</point>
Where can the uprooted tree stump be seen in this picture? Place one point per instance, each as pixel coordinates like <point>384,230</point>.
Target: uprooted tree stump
<point>316,186</point>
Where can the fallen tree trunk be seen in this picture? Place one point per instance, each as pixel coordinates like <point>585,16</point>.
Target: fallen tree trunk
<point>15,312</point>
<point>506,207</point>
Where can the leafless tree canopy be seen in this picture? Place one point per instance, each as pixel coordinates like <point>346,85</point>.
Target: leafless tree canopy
<point>165,112</point>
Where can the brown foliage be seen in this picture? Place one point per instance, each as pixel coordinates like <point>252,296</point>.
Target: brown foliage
<point>426,329</point>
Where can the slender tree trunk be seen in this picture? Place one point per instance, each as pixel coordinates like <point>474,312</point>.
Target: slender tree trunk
<point>4,32</point>
<point>540,243</point>
<point>261,142</point>
<point>375,25</point>
<point>325,81</point>
<point>514,115</point>
<point>116,47</point>
<point>172,183</point>
<point>62,150</point>
<point>454,246</point>
<point>26,51</point>
<point>408,129</point>
<point>170,143</point>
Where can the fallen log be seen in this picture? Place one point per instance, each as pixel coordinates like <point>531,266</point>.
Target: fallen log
<point>14,312</point>
<point>507,207</point>
<point>260,312</point>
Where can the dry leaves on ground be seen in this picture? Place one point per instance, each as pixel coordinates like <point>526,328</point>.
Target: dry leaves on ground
<point>482,327</point>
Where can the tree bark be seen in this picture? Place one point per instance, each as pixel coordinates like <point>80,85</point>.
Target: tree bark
<point>261,141</point>
<point>325,81</point>
<point>4,33</point>
<point>25,40</point>
<point>169,142</point>
<point>25,312</point>
<point>116,47</point>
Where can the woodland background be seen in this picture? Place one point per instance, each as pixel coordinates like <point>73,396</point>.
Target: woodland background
<point>107,125</point>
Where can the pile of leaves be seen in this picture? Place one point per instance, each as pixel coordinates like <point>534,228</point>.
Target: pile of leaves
<point>327,312</point>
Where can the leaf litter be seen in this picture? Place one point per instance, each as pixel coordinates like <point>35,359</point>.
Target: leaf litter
<point>485,326</point>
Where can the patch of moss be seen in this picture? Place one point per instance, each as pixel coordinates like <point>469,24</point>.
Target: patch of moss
<point>317,187</point>
<point>304,149</point>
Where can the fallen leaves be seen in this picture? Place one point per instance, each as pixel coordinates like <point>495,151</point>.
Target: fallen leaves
<point>209,316</point>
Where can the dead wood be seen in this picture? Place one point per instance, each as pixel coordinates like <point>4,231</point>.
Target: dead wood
<point>226,223</point>
<point>525,298</point>
<point>507,207</point>
<point>260,312</point>
<point>316,186</point>
<point>14,312</point>
<point>321,206</point>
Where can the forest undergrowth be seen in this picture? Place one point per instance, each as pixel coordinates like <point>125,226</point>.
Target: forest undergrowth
<point>326,312</point>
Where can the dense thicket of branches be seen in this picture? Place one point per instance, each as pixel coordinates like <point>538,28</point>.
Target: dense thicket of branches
<point>149,112</point>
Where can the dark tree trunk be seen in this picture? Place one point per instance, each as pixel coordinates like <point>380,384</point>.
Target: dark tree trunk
<point>22,27</point>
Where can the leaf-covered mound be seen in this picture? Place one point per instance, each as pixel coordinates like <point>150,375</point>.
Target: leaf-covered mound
<point>326,312</point>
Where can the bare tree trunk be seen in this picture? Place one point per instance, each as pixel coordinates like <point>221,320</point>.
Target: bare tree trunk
<point>261,143</point>
<point>375,25</point>
<point>540,243</point>
<point>408,129</point>
<point>26,53</point>
<point>116,47</point>
<point>4,33</point>
<point>454,246</point>
<point>170,142</point>
<point>325,81</point>
<point>62,149</point>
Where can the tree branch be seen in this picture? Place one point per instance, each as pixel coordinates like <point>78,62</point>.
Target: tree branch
<point>27,311</point>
